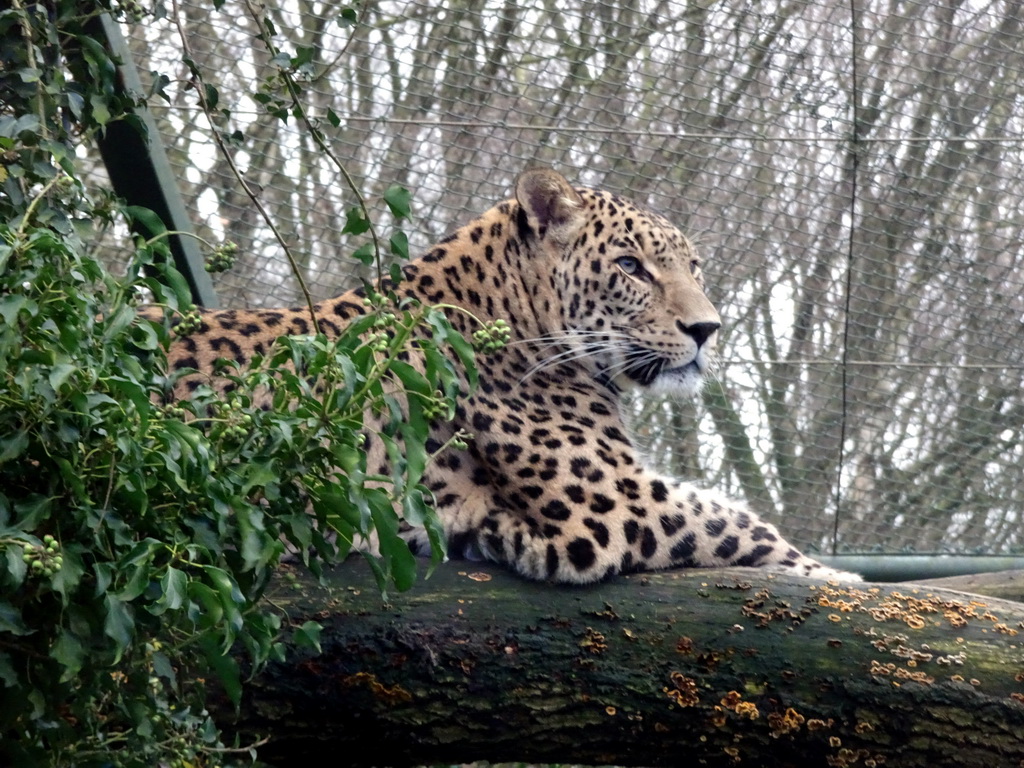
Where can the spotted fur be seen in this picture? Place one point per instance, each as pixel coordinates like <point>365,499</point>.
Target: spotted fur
<point>601,296</point>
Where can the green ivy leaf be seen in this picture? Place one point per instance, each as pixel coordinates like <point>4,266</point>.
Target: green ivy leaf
<point>396,274</point>
<point>12,305</point>
<point>174,586</point>
<point>356,222</point>
<point>224,666</point>
<point>207,609</point>
<point>399,201</point>
<point>212,96</point>
<point>416,428</point>
<point>11,621</point>
<point>347,17</point>
<point>445,334</point>
<point>100,109</point>
<point>67,579</point>
<point>163,667</point>
<point>15,126</point>
<point>418,512</point>
<point>37,357</point>
<point>8,675</point>
<point>398,243</point>
<point>60,373</point>
<point>231,599</point>
<point>17,568</point>
<point>400,560</point>
<point>308,636</point>
<point>69,652</point>
<point>118,624</point>
<point>365,253</point>
<point>146,218</point>
<point>12,446</point>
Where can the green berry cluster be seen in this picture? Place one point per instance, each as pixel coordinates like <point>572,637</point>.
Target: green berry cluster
<point>374,301</point>
<point>436,407</point>
<point>45,559</point>
<point>333,373</point>
<point>65,184</point>
<point>222,258</point>
<point>133,11</point>
<point>384,320</point>
<point>492,337</point>
<point>233,423</point>
<point>379,341</point>
<point>459,440</point>
<point>173,411</point>
<point>190,322</point>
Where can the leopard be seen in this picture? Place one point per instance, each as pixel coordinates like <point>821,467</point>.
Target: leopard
<point>601,298</point>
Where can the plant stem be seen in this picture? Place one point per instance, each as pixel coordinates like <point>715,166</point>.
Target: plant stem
<point>204,104</point>
<point>30,55</point>
<point>20,231</point>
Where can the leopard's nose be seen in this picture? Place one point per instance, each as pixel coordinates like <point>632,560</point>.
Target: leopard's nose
<point>699,332</point>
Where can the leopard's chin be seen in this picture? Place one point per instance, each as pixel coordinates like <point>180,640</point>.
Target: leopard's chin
<point>681,381</point>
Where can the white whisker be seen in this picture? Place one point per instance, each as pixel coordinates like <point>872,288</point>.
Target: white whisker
<point>607,342</point>
<point>565,356</point>
<point>557,338</point>
<point>614,351</point>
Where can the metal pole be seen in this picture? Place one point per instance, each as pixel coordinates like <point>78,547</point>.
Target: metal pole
<point>885,567</point>
<point>141,174</point>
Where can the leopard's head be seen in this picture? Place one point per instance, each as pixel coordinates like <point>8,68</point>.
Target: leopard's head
<point>628,289</point>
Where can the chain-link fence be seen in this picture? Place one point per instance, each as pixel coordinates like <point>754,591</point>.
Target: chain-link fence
<point>853,172</point>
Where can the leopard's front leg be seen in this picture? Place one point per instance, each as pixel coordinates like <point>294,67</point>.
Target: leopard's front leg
<point>554,506</point>
<point>706,529</point>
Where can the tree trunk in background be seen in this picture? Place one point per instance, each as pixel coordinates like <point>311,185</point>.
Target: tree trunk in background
<point>731,667</point>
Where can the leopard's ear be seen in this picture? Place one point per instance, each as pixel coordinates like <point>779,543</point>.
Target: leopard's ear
<point>553,208</point>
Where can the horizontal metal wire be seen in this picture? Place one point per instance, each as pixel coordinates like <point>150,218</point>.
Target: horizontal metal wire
<point>880,363</point>
<point>590,130</point>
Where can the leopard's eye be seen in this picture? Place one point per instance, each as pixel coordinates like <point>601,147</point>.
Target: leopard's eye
<point>628,264</point>
<point>694,266</point>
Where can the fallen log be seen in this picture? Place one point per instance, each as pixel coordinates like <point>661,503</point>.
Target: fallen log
<point>729,667</point>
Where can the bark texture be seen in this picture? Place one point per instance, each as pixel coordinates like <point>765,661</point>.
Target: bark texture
<point>730,667</point>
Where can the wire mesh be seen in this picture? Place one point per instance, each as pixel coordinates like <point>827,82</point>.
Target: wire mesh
<point>852,172</point>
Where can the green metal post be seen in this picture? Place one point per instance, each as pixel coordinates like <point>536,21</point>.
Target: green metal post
<point>141,174</point>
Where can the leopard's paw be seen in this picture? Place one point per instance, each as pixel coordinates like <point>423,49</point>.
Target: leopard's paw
<point>816,570</point>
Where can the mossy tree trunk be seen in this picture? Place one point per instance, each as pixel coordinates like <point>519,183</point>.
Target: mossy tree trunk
<point>730,667</point>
